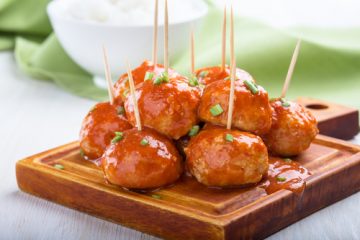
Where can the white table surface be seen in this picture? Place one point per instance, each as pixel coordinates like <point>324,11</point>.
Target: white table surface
<point>37,115</point>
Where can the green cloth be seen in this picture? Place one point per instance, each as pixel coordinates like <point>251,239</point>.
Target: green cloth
<point>328,66</point>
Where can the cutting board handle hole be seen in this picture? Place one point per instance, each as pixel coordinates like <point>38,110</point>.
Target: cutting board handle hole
<point>317,106</point>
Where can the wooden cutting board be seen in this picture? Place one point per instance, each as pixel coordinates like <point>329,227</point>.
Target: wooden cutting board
<point>334,120</point>
<point>188,210</point>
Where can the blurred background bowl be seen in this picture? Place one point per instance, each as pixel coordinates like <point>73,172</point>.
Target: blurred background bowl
<point>83,40</point>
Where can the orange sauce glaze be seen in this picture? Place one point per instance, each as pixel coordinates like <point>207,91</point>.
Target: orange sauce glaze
<point>169,108</point>
<point>282,174</point>
<point>251,112</point>
<point>138,74</point>
<point>133,165</point>
<point>208,75</point>
<point>99,127</point>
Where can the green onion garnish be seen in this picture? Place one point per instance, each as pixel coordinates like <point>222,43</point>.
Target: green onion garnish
<point>156,196</point>
<point>281,179</point>
<point>194,130</point>
<point>229,137</point>
<point>193,81</point>
<point>216,110</point>
<point>227,78</point>
<point>203,74</point>
<point>251,86</point>
<point>82,153</point>
<point>163,78</point>
<point>118,137</point>
<point>284,102</point>
<point>120,110</point>
<point>149,76</point>
<point>59,166</point>
<point>144,142</point>
<point>158,80</point>
<point>126,92</point>
<point>288,160</point>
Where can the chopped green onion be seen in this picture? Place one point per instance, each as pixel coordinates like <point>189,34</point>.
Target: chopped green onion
<point>156,196</point>
<point>126,92</point>
<point>288,160</point>
<point>144,142</point>
<point>194,130</point>
<point>227,78</point>
<point>120,110</point>
<point>216,110</point>
<point>149,76</point>
<point>158,80</point>
<point>163,78</point>
<point>118,137</point>
<point>193,81</point>
<point>251,86</point>
<point>59,166</point>
<point>82,153</point>
<point>203,74</point>
<point>284,102</point>
<point>229,137</point>
<point>281,179</point>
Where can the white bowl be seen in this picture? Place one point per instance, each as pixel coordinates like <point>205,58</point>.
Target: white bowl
<point>83,40</point>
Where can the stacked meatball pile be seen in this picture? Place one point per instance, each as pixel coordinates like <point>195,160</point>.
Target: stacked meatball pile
<point>186,117</point>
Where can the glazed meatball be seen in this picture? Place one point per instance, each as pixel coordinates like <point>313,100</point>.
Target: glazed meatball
<point>142,160</point>
<point>99,127</point>
<point>252,112</point>
<point>169,107</point>
<point>225,158</point>
<point>211,74</point>
<point>293,128</point>
<point>139,74</point>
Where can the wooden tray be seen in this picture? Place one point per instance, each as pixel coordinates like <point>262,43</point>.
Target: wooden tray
<point>188,210</point>
<point>334,120</point>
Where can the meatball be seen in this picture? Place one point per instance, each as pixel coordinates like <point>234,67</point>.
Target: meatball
<point>252,112</point>
<point>122,85</point>
<point>169,107</point>
<point>293,128</point>
<point>99,127</point>
<point>225,158</point>
<point>211,74</point>
<point>141,160</point>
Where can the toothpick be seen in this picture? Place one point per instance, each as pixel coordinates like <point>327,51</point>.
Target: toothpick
<point>166,38</point>
<point>110,86</point>
<point>132,90</point>
<point>291,69</point>
<point>192,49</point>
<point>155,33</point>
<point>223,51</point>
<point>232,50</point>
<point>232,72</point>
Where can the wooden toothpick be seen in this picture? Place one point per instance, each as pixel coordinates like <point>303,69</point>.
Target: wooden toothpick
<point>166,38</point>
<point>223,50</point>
<point>232,50</point>
<point>110,86</point>
<point>232,72</point>
<point>291,69</point>
<point>192,50</point>
<point>155,33</point>
<point>132,90</point>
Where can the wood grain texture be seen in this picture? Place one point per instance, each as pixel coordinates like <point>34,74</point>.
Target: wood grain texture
<point>188,210</point>
<point>334,120</point>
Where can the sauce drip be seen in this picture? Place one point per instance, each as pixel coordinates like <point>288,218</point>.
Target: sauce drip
<point>285,174</point>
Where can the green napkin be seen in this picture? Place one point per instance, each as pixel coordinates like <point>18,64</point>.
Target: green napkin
<point>327,68</point>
